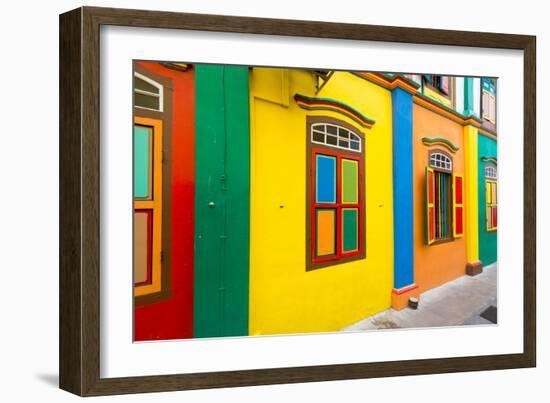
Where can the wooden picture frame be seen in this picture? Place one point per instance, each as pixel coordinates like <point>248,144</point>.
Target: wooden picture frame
<point>79,347</point>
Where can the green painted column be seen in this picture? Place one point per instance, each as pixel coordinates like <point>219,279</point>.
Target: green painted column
<point>222,201</point>
<point>469,96</point>
<point>487,148</point>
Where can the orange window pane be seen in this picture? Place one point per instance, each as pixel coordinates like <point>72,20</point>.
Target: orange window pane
<point>326,232</point>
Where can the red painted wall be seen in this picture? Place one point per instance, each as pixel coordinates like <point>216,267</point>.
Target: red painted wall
<point>173,318</point>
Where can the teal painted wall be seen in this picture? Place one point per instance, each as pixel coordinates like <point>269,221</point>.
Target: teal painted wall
<point>487,147</point>
<point>222,201</point>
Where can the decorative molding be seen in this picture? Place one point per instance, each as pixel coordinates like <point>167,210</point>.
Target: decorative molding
<point>487,132</point>
<point>325,78</point>
<point>175,66</point>
<point>445,111</point>
<point>440,141</point>
<point>490,159</point>
<point>390,82</point>
<point>398,81</point>
<point>327,104</point>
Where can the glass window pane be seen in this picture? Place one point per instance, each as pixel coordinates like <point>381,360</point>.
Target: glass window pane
<point>143,162</point>
<point>325,179</point>
<point>143,85</point>
<point>332,140</point>
<point>146,101</point>
<point>326,232</point>
<point>350,180</point>
<point>343,133</point>
<point>349,230</point>
<point>332,129</point>
<point>318,128</point>
<point>319,137</point>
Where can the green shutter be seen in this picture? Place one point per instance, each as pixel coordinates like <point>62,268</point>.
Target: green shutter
<point>350,181</point>
<point>350,230</point>
<point>222,178</point>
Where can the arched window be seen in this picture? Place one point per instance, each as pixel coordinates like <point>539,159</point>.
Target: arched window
<point>439,160</point>
<point>444,199</point>
<point>335,136</point>
<point>148,94</point>
<point>335,192</point>
<point>490,172</point>
<point>151,185</point>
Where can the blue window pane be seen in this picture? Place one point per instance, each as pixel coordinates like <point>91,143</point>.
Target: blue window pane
<point>325,179</point>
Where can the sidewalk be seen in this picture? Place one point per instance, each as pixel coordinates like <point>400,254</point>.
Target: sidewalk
<point>459,302</point>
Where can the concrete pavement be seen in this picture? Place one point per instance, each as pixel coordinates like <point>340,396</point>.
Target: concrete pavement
<point>458,302</point>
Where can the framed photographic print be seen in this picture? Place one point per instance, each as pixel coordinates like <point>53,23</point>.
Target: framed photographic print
<point>249,201</point>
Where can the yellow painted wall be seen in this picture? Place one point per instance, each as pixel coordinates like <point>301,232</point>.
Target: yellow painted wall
<point>284,298</point>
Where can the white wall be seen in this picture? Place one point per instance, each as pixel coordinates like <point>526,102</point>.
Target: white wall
<point>29,202</point>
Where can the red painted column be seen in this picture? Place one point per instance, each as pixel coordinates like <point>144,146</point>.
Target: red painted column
<point>173,318</point>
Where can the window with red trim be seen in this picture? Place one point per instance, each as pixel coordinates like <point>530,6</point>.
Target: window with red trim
<point>491,202</point>
<point>336,214</point>
<point>444,199</point>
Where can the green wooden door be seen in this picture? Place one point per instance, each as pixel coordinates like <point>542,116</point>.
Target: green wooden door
<point>222,199</point>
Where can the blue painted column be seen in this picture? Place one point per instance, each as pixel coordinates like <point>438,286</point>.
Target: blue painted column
<point>402,121</point>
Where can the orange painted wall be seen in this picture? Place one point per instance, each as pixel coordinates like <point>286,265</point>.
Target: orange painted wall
<point>436,264</point>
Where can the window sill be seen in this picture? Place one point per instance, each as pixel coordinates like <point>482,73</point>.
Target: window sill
<point>440,241</point>
<point>311,266</point>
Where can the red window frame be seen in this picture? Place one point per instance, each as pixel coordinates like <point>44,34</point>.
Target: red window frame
<point>340,155</point>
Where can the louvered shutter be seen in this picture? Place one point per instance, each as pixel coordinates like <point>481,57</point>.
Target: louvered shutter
<point>445,85</point>
<point>458,206</point>
<point>430,206</point>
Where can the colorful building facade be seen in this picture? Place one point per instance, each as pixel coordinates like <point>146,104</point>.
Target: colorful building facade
<point>280,201</point>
